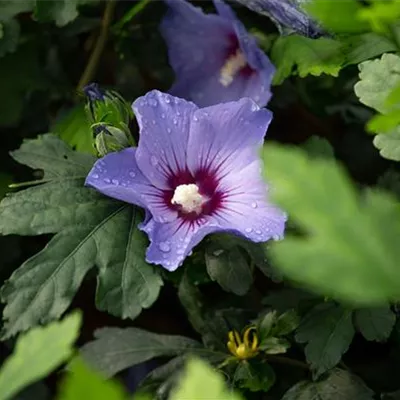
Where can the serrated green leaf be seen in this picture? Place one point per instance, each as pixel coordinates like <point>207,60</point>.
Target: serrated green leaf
<point>116,349</point>
<point>339,385</point>
<point>254,375</point>
<point>93,230</point>
<point>375,323</point>
<point>192,384</point>
<point>126,283</point>
<point>74,128</point>
<point>229,268</point>
<point>304,56</point>
<point>337,16</point>
<point>10,35</point>
<point>350,250</point>
<point>83,383</point>
<point>377,80</point>
<point>37,353</point>
<point>327,331</point>
<point>388,144</point>
<point>366,46</point>
<point>51,207</point>
<point>54,157</point>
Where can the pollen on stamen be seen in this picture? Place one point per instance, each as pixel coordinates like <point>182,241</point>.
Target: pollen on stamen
<point>189,198</point>
<point>231,67</point>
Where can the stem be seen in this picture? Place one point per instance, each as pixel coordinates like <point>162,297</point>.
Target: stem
<point>94,59</point>
<point>288,361</point>
<point>136,9</point>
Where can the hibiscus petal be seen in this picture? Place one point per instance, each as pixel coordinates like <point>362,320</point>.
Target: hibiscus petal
<point>227,137</point>
<point>164,123</point>
<point>172,242</point>
<point>117,175</point>
<point>246,210</point>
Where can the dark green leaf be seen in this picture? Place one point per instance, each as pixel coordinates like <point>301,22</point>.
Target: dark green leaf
<point>11,8</point>
<point>254,375</point>
<point>54,157</point>
<point>350,250</point>
<point>340,385</point>
<point>285,323</point>
<point>274,345</point>
<point>126,283</point>
<point>117,349</point>
<point>318,147</point>
<point>327,331</point>
<point>304,56</point>
<point>230,269</point>
<point>366,46</point>
<point>375,323</point>
<point>9,36</point>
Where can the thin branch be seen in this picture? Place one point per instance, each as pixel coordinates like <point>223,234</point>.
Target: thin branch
<point>288,361</point>
<point>94,59</point>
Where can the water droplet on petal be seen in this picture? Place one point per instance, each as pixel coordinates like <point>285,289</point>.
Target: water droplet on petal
<point>249,230</point>
<point>153,160</point>
<point>175,121</point>
<point>195,118</point>
<point>95,176</point>
<point>167,99</point>
<point>190,253</point>
<point>115,182</point>
<point>132,174</point>
<point>106,180</point>
<point>169,130</point>
<point>163,116</point>
<point>153,102</point>
<point>258,232</point>
<point>153,122</point>
<point>164,246</point>
<point>254,204</point>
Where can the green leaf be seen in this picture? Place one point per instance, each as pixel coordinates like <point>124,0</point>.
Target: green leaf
<point>377,80</point>
<point>10,35</point>
<point>327,331</point>
<point>388,144</point>
<point>316,146</point>
<point>274,345</point>
<point>380,15</point>
<point>74,129</point>
<point>375,323</point>
<point>51,208</point>
<point>192,384</point>
<point>229,268</point>
<point>350,250</point>
<point>60,11</point>
<point>285,323</point>
<point>254,375</point>
<point>383,123</point>
<point>92,230</point>
<point>337,16</point>
<point>126,283</point>
<point>366,46</point>
<point>83,383</point>
<point>20,75</point>
<point>303,56</point>
<point>116,349</point>
<point>54,157</point>
<point>339,385</point>
<point>37,353</point>
<point>288,299</point>
<point>11,8</point>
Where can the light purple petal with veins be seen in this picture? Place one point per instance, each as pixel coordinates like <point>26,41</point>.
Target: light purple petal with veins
<point>207,177</point>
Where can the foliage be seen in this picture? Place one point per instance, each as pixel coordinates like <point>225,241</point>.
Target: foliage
<point>312,316</point>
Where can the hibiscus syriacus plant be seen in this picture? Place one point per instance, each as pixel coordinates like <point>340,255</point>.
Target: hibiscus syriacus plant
<point>195,171</point>
<point>187,208</point>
